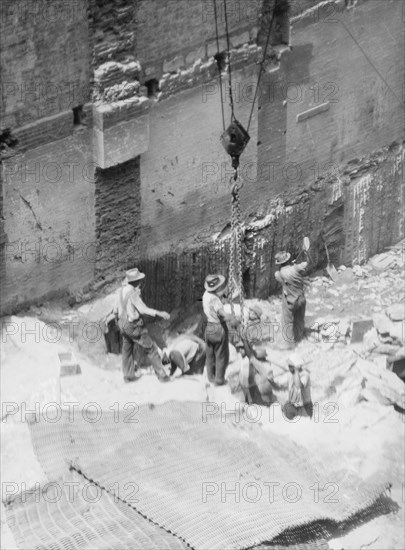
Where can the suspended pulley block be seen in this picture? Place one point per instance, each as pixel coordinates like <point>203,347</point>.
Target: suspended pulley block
<point>234,140</point>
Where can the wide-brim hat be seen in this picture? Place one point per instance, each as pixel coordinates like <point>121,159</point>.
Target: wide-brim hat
<point>133,275</point>
<point>213,282</point>
<point>282,257</point>
<point>257,310</point>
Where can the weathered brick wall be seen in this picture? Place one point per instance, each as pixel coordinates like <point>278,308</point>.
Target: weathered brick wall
<point>333,107</point>
<point>325,152</point>
<point>162,44</point>
<point>185,172</point>
<point>118,217</point>
<point>49,220</point>
<point>44,59</point>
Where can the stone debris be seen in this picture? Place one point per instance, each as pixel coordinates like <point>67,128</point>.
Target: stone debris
<point>383,324</point>
<point>384,261</point>
<point>396,312</point>
<point>358,271</point>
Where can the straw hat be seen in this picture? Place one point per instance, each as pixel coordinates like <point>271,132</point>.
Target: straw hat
<point>213,282</point>
<point>133,275</point>
<point>282,257</point>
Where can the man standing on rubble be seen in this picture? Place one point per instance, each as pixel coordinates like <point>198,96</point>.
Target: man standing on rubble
<point>293,302</point>
<point>216,332</point>
<point>129,311</point>
<point>187,352</point>
<point>299,389</point>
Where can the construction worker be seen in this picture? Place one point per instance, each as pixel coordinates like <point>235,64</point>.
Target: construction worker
<point>299,389</point>
<point>216,331</point>
<point>129,311</point>
<point>187,352</point>
<point>256,376</point>
<point>252,324</point>
<point>293,302</point>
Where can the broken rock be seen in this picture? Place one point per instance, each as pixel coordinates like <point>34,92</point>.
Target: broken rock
<point>346,276</point>
<point>382,324</point>
<point>383,261</point>
<point>396,312</point>
<point>397,366</point>
<point>357,270</point>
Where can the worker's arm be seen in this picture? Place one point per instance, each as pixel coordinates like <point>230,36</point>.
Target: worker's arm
<point>302,267</point>
<point>278,277</point>
<point>145,310</point>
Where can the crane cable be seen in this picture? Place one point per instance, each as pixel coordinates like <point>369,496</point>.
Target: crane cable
<point>237,232</point>
<point>219,65</point>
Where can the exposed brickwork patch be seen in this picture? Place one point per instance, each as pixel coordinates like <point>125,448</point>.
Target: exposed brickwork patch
<point>117,209</point>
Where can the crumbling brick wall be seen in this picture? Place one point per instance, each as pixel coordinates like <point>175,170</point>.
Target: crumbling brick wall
<point>117,208</point>
<point>325,153</point>
<point>45,61</point>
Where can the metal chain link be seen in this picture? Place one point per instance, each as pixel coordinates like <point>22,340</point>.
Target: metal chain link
<point>235,257</point>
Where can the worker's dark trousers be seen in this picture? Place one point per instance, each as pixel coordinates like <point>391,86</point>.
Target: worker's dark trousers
<point>217,341</point>
<point>293,320</point>
<point>135,342</point>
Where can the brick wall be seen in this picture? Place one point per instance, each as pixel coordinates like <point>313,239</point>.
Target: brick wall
<point>162,44</point>
<point>335,102</point>
<point>185,172</point>
<point>325,152</point>
<point>49,220</point>
<point>44,59</point>
<point>117,212</point>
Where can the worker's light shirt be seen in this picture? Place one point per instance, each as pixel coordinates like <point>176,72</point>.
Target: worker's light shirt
<point>211,305</point>
<point>293,280</point>
<point>135,308</point>
<point>186,346</point>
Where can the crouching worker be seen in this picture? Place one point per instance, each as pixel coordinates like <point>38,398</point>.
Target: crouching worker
<point>216,331</point>
<point>129,310</point>
<point>299,390</point>
<point>256,377</point>
<point>187,353</point>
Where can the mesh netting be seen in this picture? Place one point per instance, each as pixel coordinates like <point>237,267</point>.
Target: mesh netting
<point>214,484</point>
<point>83,516</point>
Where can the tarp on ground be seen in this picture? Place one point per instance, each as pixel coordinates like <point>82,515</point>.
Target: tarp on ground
<point>212,480</point>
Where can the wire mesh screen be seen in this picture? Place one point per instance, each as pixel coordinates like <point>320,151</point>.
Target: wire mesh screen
<point>199,477</point>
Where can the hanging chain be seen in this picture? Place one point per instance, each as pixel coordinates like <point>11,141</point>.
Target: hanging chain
<point>235,259</point>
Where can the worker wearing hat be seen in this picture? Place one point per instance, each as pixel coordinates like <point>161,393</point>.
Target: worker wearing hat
<point>216,332</point>
<point>293,302</point>
<point>129,310</point>
<point>299,389</point>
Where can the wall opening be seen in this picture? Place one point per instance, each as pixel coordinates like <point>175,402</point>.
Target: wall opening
<point>280,33</point>
<point>7,143</point>
<point>79,117</point>
<point>281,24</point>
<point>152,86</point>
<point>221,58</point>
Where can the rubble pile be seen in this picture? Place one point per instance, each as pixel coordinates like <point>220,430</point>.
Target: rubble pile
<point>364,304</point>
